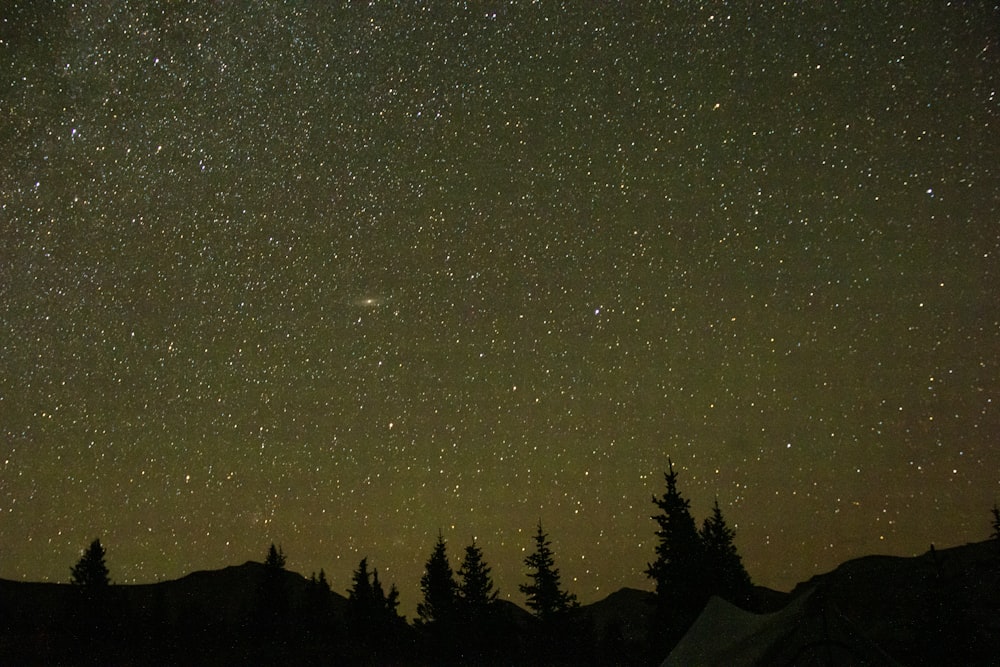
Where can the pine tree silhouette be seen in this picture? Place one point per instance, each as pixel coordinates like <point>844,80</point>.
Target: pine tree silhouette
<point>374,624</point>
<point>678,571</point>
<point>544,595</point>
<point>479,622</point>
<point>92,614</point>
<point>361,597</point>
<point>272,599</point>
<point>318,613</point>
<point>320,585</point>
<point>275,558</point>
<point>475,590</point>
<point>91,571</point>
<point>385,606</point>
<point>438,586</point>
<point>727,577</point>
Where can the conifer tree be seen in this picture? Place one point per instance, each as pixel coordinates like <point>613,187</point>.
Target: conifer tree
<point>727,577</point>
<point>380,599</point>
<point>360,596</point>
<point>438,586</point>
<point>387,618</point>
<point>92,613</point>
<point>475,590</point>
<point>369,605</point>
<point>91,571</point>
<point>275,558</point>
<point>373,621</point>
<point>318,607</point>
<point>544,595</point>
<point>318,586</point>
<point>996,522</point>
<point>391,604</point>
<point>479,624</point>
<point>272,602</point>
<point>677,572</point>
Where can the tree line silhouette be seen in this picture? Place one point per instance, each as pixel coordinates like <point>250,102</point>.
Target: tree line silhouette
<point>460,617</point>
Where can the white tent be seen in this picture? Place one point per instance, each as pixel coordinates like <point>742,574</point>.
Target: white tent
<point>806,632</point>
<point>726,635</point>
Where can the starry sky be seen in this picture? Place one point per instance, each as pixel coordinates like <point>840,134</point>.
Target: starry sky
<point>340,275</point>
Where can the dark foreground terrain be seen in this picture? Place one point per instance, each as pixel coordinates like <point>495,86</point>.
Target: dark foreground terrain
<point>941,608</point>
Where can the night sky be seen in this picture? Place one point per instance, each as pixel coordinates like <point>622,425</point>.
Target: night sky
<point>337,277</point>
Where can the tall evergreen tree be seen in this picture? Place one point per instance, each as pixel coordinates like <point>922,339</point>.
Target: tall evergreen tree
<point>369,606</point>
<point>386,605</point>
<point>727,577</point>
<point>91,571</point>
<point>438,586</point>
<point>272,602</point>
<point>361,596</point>
<point>996,522</point>
<point>479,624</point>
<point>677,572</point>
<point>275,558</point>
<point>92,612</point>
<point>545,596</point>
<point>475,590</point>
<point>391,603</point>
<point>317,614</point>
<point>373,620</point>
<point>378,595</point>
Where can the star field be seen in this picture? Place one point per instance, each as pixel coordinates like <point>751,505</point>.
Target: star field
<point>340,276</point>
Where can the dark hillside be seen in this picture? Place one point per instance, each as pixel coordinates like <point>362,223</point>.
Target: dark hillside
<point>941,608</point>
<point>208,617</point>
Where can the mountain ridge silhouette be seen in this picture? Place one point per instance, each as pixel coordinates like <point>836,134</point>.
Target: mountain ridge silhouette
<point>906,606</point>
